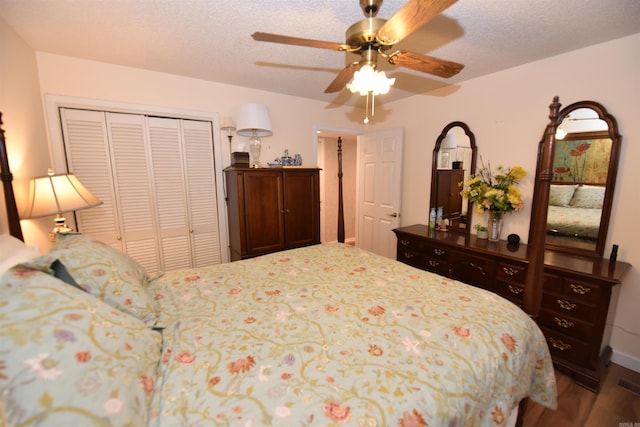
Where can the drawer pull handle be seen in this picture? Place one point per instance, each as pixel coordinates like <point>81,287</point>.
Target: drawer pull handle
<point>579,289</point>
<point>515,289</point>
<point>408,255</point>
<point>566,304</point>
<point>564,323</point>
<point>510,271</point>
<point>433,263</point>
<point>559,344</point>
<point>404,242</point>
<point>439,251</point>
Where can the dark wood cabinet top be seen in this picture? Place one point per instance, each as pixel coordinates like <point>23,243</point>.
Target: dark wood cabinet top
<point>591,267</point>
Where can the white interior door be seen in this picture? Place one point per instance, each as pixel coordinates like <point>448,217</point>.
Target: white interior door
<point>379,190</point>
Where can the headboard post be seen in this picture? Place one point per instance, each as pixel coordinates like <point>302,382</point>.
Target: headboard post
<point>534,281</point>
<point>340,201</point>
<point>9,198</point>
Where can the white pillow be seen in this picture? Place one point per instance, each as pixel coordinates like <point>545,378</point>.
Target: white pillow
<point>13,252</point>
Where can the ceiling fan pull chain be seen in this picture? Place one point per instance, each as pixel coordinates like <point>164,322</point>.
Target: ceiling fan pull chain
<point>366,111</point>
<point>373,105</point>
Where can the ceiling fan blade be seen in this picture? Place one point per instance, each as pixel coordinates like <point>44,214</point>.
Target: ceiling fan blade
<point>277,38</point>
<point>343,78</point>
<point>426,64</point>
<point>409,18</point>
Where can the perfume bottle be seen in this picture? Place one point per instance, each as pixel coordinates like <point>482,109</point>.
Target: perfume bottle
<point>432,219</point>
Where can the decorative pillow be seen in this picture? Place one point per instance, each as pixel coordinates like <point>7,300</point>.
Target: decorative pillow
<point>13,252</point>
<point>68,359</point>
<point>560,195</point>
<point>588,197</point>
<point>106,273</point>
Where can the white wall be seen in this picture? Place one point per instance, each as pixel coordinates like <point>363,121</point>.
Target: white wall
<point>293,118</point>
<point>507,112</point>
<point>21,105</point>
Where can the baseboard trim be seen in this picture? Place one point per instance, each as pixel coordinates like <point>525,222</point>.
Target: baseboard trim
<point>626,360</point>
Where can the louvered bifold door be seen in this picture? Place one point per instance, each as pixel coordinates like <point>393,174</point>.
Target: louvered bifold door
<point>202,203</point>
<point>170,192</point>
<point>88,157</point>
<point>133,183</point>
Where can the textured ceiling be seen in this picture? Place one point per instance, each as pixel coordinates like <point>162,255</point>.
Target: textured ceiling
<point>211,39</point>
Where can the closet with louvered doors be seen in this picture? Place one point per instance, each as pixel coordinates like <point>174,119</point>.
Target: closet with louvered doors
<point>156,177</point>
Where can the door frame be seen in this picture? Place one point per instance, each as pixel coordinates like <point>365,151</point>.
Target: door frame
<point>331,131</point>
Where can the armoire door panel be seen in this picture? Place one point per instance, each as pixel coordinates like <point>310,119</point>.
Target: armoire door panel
<point>301,195</point>
<point>264,220</point>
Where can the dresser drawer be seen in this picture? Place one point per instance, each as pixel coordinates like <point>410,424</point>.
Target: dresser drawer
<point>575,328</point>
<point>420,260</point>
<point>511,291</point>
<point>411,257</point>
<point>566,348</point>
<point>572,288</point>
<point>558,303</point>
<point>582,290</point>
<point>473,270</point>
<point>511,273</point>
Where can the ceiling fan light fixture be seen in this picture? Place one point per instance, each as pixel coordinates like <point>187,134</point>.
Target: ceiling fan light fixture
<point>369,81</point>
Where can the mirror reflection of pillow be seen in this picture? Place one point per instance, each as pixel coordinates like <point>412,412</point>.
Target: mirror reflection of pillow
<point>588,196</point>
<point>560,195</point>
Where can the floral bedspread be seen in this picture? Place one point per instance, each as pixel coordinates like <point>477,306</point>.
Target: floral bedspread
<point>574,222</point>
<point>332,335</point>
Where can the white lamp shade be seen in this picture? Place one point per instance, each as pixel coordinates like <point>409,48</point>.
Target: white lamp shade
<point>55,194</point>
<point>227,123</point>
<point>450,141</point>
<point>254,117</point>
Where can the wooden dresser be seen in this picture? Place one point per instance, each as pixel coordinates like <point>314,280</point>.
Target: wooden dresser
<point>579,296</point>
<point>271,210</point>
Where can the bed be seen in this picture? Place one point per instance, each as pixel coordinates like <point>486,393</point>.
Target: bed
<point>575,211</point>
<point>322,335</point>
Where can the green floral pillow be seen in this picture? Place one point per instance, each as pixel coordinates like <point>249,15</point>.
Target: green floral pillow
<point>589,197</point>
<point>68,359</point>
<point>560,195</point>
<point>106,273</point>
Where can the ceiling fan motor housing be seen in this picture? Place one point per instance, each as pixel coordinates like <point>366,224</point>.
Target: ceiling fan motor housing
<point>363,35</point>
<point>370,7</point>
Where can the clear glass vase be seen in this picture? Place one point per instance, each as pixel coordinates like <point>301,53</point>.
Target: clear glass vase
<point>495,226</point>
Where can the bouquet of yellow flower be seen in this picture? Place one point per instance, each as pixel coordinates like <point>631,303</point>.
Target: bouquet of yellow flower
<point>496,192</point>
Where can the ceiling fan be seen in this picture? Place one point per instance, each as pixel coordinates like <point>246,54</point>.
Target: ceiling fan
<point>373,36</point>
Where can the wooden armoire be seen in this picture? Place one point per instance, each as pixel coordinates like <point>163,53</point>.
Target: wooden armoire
<point>272,209</point>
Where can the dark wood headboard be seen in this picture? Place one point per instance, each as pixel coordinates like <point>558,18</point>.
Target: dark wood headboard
<point>9,197</point>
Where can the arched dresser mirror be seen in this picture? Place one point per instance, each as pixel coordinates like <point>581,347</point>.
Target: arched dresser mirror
<point>585,165</point>
<point>454,160</point>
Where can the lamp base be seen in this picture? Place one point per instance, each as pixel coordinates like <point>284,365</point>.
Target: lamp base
<point>60,227</point>
<point>255,144</point>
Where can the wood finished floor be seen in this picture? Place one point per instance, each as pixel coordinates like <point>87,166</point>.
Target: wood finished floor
<point>613,406</point>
